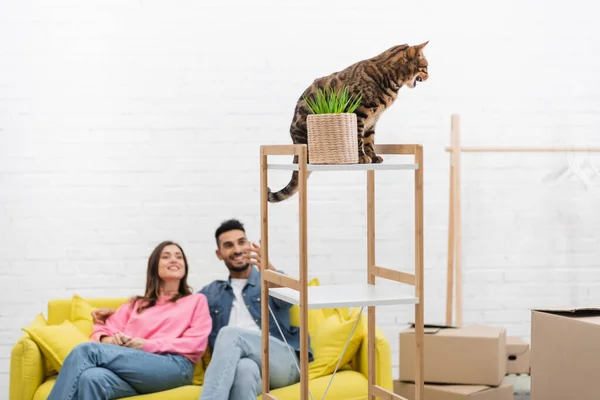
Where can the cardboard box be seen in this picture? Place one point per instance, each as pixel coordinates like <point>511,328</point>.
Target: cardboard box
<point>518,355</point>
<point>472,355</point>
<point>565,354</point>
<point>456,392</point>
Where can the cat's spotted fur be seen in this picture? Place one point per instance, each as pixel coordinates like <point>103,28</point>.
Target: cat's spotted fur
<point>378,79</point>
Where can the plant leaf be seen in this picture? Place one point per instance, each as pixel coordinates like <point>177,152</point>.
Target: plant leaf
<point>328,100</point>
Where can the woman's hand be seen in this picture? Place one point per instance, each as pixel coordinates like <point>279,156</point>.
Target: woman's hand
<point>120,339</point>
<point>100,315</point>
<point>135,343</point>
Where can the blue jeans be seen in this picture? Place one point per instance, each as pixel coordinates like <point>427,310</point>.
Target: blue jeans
<point>235,367</point>
<point>100,371</point>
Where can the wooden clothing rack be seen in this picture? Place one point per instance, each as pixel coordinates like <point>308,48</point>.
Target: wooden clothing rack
<point>454,273</point>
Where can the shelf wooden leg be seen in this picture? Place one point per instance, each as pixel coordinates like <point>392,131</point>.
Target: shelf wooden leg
<point>264,293</point>
<point>419,278</point>
<point>302,204</point>
<point>371,280</point>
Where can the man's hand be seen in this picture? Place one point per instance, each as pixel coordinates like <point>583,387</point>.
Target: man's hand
<point>135,343</point>
<point>254,257</point>
<point>100,315</point>
<point>120,339</point>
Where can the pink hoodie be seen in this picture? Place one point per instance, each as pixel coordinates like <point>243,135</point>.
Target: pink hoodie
<point>180,328</point>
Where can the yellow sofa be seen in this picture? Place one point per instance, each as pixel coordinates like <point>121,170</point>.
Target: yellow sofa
<point>32,376</point>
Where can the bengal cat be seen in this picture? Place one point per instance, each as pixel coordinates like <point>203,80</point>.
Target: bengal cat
<point>378,80</point>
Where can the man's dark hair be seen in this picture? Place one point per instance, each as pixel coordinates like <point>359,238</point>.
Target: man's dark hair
<point>226,226</point>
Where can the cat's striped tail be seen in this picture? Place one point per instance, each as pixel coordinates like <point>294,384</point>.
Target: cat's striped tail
<point>288,191</point>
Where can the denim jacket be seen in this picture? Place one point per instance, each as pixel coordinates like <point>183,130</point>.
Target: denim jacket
<point>220,300</point>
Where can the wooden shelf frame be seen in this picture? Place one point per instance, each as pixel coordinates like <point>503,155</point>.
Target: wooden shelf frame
<point>271,279</point>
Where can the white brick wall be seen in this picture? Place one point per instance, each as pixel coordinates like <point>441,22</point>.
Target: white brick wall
<point>112,114</point>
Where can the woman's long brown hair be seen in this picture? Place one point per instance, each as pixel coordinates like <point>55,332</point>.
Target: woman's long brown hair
<point>153,279</point>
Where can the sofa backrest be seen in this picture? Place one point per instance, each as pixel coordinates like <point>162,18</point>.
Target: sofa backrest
<point>59,310</point>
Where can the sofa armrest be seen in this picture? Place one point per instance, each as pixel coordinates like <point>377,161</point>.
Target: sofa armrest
<point>383,360</point>
<point>26,369</point>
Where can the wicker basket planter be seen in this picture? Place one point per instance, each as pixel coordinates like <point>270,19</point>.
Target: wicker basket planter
<point>332,138</point>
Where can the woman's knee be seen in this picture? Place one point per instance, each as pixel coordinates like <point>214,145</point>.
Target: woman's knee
<point>84,349</point>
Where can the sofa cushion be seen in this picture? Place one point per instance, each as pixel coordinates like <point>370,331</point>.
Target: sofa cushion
<point>181,393</point>
<point>330,339</point>
<point>81,315</point>
<point>346,385</point>
<point>56,341</point>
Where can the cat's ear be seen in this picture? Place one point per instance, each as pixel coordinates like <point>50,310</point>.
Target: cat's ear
<point>419,47</point>
<point>415,51</point>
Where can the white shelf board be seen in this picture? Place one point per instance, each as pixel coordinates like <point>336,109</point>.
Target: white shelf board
<point>329,296</point>
<point>345,167</point>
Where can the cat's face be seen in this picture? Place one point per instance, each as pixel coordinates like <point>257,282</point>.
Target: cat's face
<point>416,59</point>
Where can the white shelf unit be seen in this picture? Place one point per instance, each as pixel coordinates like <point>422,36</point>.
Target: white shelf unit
<point>331,296</point>
<point>297,291</point>
<point>343,167</point>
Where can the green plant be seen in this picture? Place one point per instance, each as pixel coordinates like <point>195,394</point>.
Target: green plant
<point>329,101</point>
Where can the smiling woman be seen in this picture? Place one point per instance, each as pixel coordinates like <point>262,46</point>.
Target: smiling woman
<point>162,333</point>
<point>166,276</point>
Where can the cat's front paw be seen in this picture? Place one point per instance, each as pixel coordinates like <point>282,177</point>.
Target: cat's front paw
<point>364,159</point>
<point>377,160</point>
